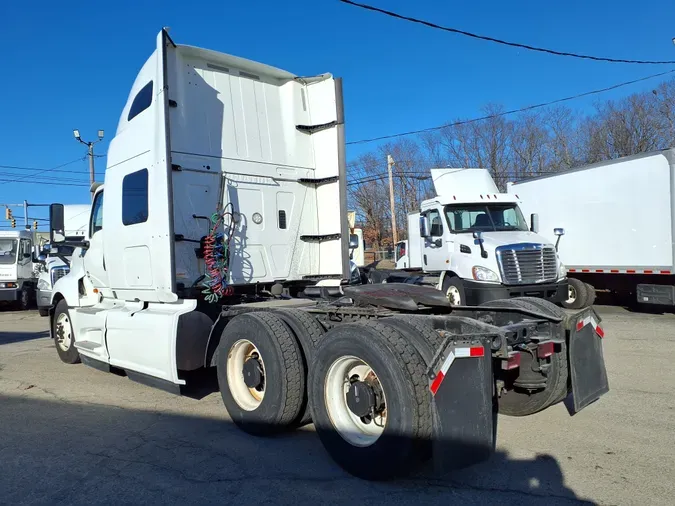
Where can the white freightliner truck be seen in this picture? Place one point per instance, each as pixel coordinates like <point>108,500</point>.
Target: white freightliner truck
<point>473,243</point>
<point>222,165</point>
<point>54,262</point>
<point>17,277</point>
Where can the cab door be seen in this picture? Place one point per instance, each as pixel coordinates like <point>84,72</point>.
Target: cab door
<point>436,254</point>
<point>94,258</point>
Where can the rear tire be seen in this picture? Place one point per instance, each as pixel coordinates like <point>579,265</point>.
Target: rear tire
<point>577,295</point>
<point>453,288</point>
<point>368,450</point>
<point>309,332</point>
<point>64,336</point>
<point>25,300</point>
<point>523,403</point>
<point>273,403</point>
<point>590,295</point>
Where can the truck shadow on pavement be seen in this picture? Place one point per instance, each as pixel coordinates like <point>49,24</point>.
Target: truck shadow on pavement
<point>57,451</point>
<point>17,337</point>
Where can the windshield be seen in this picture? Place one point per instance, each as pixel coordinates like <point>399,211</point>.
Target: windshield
<point>8,249</point>
<point>485,218</point>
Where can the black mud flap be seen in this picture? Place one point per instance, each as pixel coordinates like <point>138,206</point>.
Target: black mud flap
<point>588,374</point>
<point>465,411</point>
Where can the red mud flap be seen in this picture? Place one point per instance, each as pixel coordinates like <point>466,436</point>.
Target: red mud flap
<point>465,415</point>
<point>588,374</point>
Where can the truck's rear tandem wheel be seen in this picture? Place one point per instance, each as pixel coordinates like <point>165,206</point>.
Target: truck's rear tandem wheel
<point>364,381</point>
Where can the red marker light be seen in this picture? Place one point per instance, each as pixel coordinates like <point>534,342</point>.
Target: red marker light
<point>545,350</point>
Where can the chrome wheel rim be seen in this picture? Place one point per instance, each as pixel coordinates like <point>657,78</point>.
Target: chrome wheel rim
<point>64,333</point>
<point>248,399</point>
<point>357,431</point>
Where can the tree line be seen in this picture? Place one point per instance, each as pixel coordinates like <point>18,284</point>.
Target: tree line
<point>511,147</point>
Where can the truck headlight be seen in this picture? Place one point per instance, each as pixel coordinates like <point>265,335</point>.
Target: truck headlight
<point>562,271</point>
<point>43,285</point>
<point>8,285</point>
<point>484,274</point>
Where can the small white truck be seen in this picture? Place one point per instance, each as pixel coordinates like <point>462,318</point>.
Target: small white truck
<point>17,277</point>
<point>220,240</point>
<point>473,243</point>
<point>618,218</point>
<point>54,262</point>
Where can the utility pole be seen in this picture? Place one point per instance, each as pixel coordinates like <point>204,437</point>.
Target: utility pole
<point>390,165</point>
<point>90,154</point>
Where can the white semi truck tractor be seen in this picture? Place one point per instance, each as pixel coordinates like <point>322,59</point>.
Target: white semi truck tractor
<point>220,240</point>
<point>17,277</point>
<point>474,244</point>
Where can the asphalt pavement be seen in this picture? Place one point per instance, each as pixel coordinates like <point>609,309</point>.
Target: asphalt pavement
<point>74,435</point>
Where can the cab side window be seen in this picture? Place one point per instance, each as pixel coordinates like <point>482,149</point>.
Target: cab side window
<point>96,215</point>
<point>435,222</point>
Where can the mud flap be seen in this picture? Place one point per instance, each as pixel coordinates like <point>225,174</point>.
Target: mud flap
<point>465,411</point>
<point>588,374</point>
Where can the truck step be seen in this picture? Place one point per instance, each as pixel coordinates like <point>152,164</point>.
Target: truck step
<point>87,345</point>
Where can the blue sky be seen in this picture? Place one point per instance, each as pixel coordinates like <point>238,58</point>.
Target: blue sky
<point>70,65</point>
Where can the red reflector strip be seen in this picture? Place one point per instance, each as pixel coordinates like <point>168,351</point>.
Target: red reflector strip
<point>545,350</point>
<point>474,351</point>
<point>478,351</point>
<point>436,384</point>
<point>599,270</point>
<point>649,272</point>
<point>589,319</point>
<point>665,272</point>
<point>630,271</point>
<point>572,270</point>
<point>585,270</point>
<point>614,271</point>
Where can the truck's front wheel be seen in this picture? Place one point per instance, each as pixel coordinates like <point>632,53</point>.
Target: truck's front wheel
<point>453,288</point>
<point>577,294</point>
<point>370,400</point>
<point>64,336</point>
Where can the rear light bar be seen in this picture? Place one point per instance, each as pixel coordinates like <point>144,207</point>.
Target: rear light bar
<point>512,362</point>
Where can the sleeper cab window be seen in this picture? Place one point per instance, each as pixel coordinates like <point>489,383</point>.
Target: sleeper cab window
<point>142,101</point>
<point>135,197</point>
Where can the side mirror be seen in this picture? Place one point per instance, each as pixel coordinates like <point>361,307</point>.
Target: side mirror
<point>353,241</point>
<point>559,232</point>
<point>534,223</point>
<point>56,223</point>
<point>478,236</point>
<point>424,227</point>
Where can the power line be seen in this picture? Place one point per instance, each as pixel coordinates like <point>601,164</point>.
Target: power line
<point>505,42</point>
<point>23,178</point>
<point>52,183</point>
<point>514,111</point>
<point>42,169</point>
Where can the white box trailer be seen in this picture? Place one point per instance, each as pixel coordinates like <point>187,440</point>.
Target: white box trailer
<point>618,218</point>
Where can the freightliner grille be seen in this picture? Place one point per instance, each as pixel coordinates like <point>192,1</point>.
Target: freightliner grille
<point>523,264</point>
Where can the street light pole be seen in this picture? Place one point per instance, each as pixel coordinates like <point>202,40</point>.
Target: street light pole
<point>90,154</point>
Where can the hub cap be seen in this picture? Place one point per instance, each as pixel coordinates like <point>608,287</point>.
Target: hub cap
<point>64,335</point>
<point>355,401</point>
<point>453,296</point>
<point>246,375</point>
<point>571,294</point>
